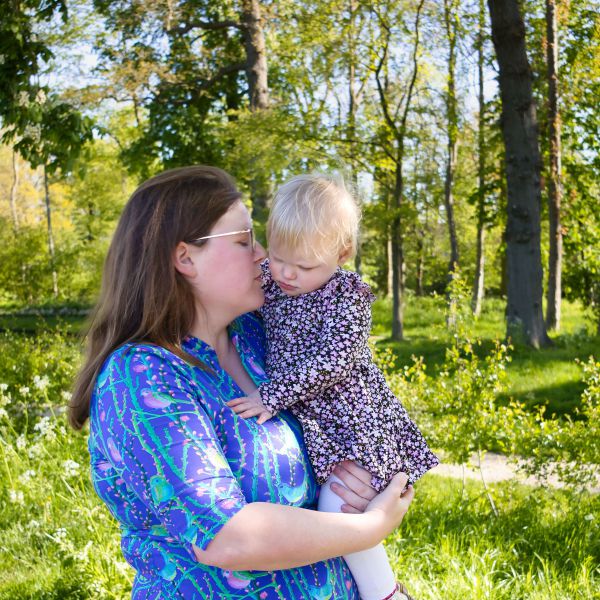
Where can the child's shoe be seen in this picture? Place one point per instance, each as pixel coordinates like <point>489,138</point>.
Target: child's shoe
<point>400,593</point>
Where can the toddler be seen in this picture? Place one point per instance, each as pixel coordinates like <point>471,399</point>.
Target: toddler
<point>318,318</point>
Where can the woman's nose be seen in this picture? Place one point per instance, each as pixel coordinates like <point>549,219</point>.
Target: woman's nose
<point>259,252</point>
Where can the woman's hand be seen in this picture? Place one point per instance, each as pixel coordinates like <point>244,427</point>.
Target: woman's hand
<point>392,503</point>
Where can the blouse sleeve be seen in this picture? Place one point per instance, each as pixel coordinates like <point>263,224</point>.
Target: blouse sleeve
<point>162,442</point>
<point>344,337</point>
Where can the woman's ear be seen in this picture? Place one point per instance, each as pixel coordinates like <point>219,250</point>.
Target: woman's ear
<point>183,260</point>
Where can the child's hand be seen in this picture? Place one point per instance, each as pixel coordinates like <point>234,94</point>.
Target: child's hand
<point>250,406</point>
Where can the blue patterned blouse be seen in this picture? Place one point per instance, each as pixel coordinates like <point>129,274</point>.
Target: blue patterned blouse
<point>173,464</point>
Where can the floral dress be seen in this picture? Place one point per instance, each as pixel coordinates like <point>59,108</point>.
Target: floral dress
<point>173,464</point>
<point>320,367</point>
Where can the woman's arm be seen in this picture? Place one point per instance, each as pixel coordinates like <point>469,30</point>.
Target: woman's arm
<point>269,537</point>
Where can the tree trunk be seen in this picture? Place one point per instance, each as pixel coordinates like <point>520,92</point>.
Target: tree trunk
<point>478,285</point>
<point>258,92</point>
<point>452,124</point>
<point>524,318</point>
<point>553,304</point>
<point>256,54</point>
<point>353,102</point>
<point>13,192</point>
<point>51,251</point>
<point>397,249</point>
<point>399,130</point>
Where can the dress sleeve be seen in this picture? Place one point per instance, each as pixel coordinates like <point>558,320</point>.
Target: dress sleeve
<point>344,336</point>
<point>162,442</point>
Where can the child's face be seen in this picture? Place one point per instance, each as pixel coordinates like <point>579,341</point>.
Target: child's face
<point>297,272</point>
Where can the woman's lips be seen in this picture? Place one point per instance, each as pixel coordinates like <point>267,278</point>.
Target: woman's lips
<point>285,286</point>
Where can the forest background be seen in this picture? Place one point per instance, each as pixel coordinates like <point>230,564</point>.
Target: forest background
<point>470,132</point>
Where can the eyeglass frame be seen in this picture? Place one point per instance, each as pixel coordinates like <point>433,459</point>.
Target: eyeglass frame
<point>218,235</point>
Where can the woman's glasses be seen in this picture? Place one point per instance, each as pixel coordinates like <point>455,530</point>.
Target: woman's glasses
<point>217,235</point>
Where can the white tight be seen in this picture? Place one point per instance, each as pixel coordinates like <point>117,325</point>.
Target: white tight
<point>370,568</point>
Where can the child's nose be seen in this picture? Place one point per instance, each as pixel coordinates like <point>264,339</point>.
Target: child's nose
<point>289,272</point>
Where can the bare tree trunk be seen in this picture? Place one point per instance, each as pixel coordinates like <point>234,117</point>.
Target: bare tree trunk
<point>258,90</point>
<point>420,262</point>
<point>353,102</point>
<point>399,130</point>
<point>478,285</point>
<point>51,250</point>
<point>256,54</point>
<point>398,250</point>
<point>452,124</point>
<point>13,192</point>
<point>388,250</point>
<point>524,318</point>
<point>553,304</point>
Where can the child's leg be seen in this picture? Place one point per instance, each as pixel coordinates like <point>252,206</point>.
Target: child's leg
<point>370,568</point>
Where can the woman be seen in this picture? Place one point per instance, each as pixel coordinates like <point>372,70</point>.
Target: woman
<point>210,505</point>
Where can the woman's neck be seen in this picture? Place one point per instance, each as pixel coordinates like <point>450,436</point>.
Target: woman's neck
<point>212,332</point>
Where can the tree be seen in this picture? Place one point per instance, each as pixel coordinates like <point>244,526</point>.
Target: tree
<point>45,130</point>
<point>451,29</point>
<point>398,132</point>
<point>519,130</point>
<point>478,285</point>
<point>553,303</point>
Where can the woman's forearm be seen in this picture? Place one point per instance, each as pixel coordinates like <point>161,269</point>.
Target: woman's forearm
<point>269,537</point>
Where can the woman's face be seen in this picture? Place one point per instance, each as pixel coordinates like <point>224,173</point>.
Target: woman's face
<point>228,268</point>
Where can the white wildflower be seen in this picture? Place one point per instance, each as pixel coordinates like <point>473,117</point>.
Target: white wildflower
<point>16,496</point>
<point>41,383</point>
<point>71,468</point>
<point>83,555</point>
<point>122,567</point>
<point>24,391</point>
<point>3,387</point>
<point>27,476</point>
<point>35,451</point>
<point>21,442</point>
<point>45,428</point>
<point>3,413</point>
<point>66,396</point>
<point>60,535</point>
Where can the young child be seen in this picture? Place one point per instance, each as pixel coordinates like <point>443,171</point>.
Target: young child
<point>317,320</point>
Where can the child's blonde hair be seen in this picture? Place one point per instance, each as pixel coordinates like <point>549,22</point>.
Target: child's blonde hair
<point>315,213</point>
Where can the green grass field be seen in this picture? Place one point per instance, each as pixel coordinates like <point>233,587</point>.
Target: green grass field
<point>58,541</point>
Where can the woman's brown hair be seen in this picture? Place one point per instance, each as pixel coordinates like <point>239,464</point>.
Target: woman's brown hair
<point>143,298</point>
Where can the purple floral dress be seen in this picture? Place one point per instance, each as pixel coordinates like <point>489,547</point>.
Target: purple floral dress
<point>320,367</point>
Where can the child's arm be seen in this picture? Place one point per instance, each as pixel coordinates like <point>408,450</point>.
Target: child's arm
<point>344,336</point>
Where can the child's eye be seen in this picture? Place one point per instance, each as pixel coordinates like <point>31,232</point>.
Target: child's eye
<point>306,268</point>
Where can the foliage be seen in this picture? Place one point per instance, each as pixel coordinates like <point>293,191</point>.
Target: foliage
<point>569,450</point>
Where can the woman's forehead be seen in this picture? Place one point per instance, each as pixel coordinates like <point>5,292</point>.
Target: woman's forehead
<point>236,217</point>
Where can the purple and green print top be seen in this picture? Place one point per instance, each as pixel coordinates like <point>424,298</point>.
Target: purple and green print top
<point>173,464</point>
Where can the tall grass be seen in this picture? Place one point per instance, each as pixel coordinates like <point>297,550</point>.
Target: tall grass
<point>59,541</point>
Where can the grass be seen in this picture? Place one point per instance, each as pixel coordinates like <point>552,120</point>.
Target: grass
<point>549,376</point>
<point>545,544</point>
<point>59,542</point>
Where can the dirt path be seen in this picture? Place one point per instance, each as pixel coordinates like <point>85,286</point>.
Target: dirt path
<point>496,467</point>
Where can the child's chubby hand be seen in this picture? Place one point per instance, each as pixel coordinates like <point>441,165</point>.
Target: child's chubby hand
<point>250,406</point>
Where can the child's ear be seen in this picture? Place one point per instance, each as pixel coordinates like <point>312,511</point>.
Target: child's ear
<point>344,256</point>
<point>182,260</point>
